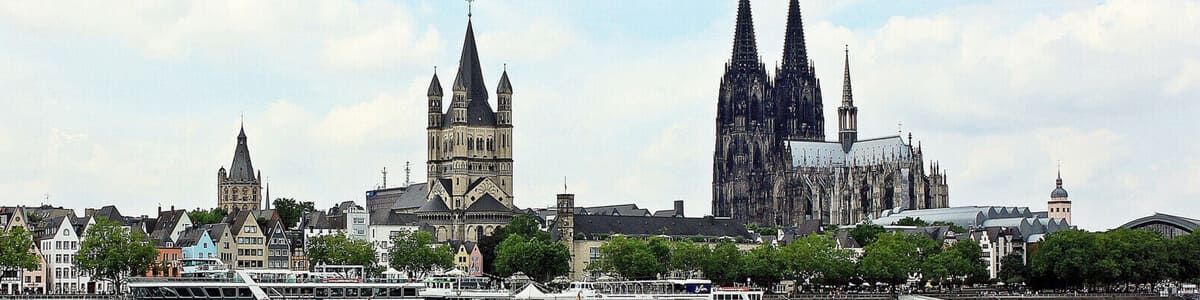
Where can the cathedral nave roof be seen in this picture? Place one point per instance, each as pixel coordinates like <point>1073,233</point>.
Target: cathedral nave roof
<point>823,154</point>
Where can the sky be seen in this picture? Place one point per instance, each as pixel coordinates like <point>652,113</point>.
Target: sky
<point>138,103</point>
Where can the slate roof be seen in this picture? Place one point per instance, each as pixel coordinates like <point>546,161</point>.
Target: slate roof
<point>216,231</point>
<point>505,87</point>
<point>165,225</point>
<point>619,209</point>
<point>111,213</point>
<point>237,221</point>
<point>665,213</point>
<point>435,87</point>
<point>434,205</point>
<point>391,217</point>
<point>413,197</point>
<point>315,220</point>
<point>649,226</point>
<point>241,170</point>
<point>486,203</point>
<point>470,80</point>
<point>191,236</point>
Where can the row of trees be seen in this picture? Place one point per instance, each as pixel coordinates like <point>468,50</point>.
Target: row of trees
<point>413,252</point>
<point>890,257</point>
<point>1078,259</point>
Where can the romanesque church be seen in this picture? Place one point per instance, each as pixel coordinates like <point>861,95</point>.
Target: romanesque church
<point>470,182</point>
<point>772,164</point>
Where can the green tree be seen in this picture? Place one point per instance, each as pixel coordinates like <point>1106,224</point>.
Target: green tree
<point>687,256</point>
<point>416,253</point>
<point>865,233</point>
<point>1012,268</point>
<point>338,249</point>
<point>539,258</point>
<point>893,256</point>
<point>815,259</point>
<point>1064,259</point>
<point>290,211</point>
<point>720,266</point>
<point>961,262</point>
<point>911,221</point>
<point>1185,255</point>
<point>763,266</point>
<point>1133,257</point>
<point>111,252</point>
<point>525,225</point>
<point>210,216</point>
<point>15,246</point>
<point>629,258</point>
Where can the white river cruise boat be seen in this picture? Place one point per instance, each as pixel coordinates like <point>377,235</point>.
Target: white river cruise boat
<point>272,284</point>
<point>682,289</point>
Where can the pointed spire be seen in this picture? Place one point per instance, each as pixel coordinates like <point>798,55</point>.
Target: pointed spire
<point>241,170</point>
<point>847,92</point>
<point>470,77</point>
<point>505,87</point>
<point>745,49</point>
<point>435,86</point>
<point>1058,182</point>
<point>794,53</point>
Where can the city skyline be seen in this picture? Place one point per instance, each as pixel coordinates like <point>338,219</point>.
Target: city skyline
<point>143,108</point>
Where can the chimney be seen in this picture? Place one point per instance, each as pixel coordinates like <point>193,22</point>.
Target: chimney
<point>172,208</point>
<point>678,208</point>
<point>160,209</point>
<point>87,212</point>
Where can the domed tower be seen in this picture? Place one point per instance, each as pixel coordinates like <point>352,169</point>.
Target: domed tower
<point>1059,206</point>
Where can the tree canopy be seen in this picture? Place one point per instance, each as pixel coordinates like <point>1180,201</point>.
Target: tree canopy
<point>416,253</point>
<point>210,216</point>
<point>111,252</point>
<point>337,249</point>
<point>817,260</point>
<point>290,211</point>
<point>865,233</point>
<point>539,258</point>
<point>15,246</point>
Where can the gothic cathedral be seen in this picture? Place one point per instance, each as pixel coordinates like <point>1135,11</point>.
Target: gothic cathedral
<point>772,164</point>
<point>470,153</point>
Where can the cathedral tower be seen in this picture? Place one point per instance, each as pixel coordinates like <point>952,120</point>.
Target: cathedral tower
<point>743,159</point>
<point>470,153</point>
<point>1059,206</point>
<point>797,92</point>
<point>240,188</point>
<point>847,113</point>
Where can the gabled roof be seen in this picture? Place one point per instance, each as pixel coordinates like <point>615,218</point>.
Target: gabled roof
<point>111,213</point>
<point>167,221</point>
<point>191,236</point>
<point>487,203</point>
<point>239,220</point>
<point>315,220</point>
<point>413,197</point>
<point>216,231</point>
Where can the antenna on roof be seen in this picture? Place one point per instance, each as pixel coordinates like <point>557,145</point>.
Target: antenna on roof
<point>384,185</point>
<point>564,184</point>
<point>899,127</point>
